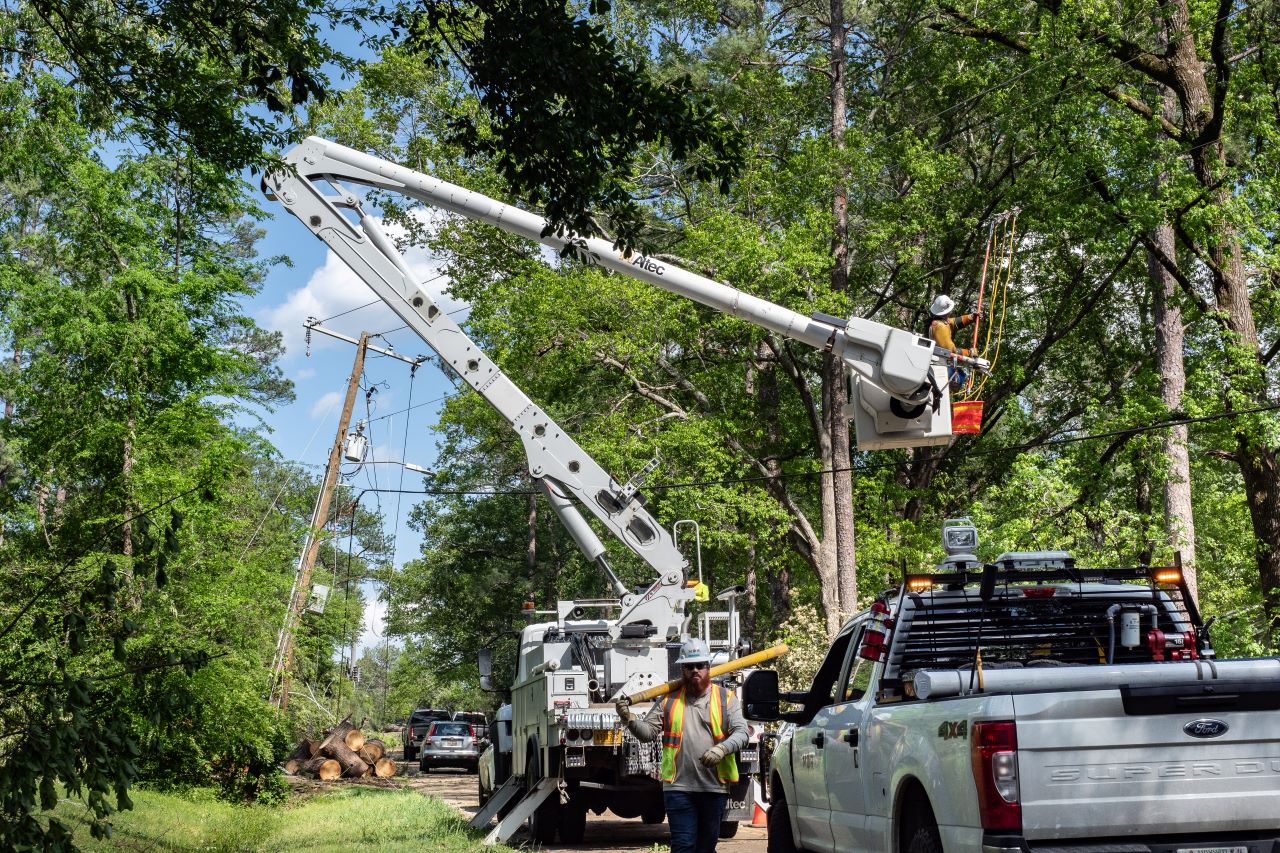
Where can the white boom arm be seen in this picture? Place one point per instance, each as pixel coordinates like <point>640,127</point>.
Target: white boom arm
<point>899,388</point>
<point>899,391</point>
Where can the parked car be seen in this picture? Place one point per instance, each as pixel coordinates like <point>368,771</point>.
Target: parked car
<point>479,721</point>
<point>449,744</point>
<point>495,760</point>
<point>419,721</point>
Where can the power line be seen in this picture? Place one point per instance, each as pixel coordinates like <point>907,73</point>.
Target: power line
<point>1013,448</point>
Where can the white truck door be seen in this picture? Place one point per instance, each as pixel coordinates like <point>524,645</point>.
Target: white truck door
<point>809,745</point>
<point>843,753</point>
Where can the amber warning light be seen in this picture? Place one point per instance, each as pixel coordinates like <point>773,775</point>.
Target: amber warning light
<point>1167,576</point>
<point>919,583</point>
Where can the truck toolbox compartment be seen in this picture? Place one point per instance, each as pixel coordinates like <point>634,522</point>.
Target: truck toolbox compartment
<point>1201,698</point>
<point>1087,770</point>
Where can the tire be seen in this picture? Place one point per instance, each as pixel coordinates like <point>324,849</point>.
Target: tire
<point>545,820</point>
<point>573,823</point>
<point>423,766</point>
<point>780,838</point>
<point>654,814</point>
<point>410,752</point>
<point>480,796</point>
<point>925,840</point>
<point>728,828</point>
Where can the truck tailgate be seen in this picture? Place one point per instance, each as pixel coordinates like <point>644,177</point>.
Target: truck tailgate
<point>1089,767</point>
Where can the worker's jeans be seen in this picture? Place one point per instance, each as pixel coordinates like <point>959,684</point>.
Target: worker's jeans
<point>694,818</point>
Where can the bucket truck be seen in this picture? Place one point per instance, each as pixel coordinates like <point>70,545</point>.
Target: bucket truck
<point>568,752</point>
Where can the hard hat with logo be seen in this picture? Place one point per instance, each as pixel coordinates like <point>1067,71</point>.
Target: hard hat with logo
<point>942,305</point>
<point>694,650</point>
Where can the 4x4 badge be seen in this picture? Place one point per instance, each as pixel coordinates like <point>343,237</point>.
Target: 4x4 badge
<point>1206,728</point>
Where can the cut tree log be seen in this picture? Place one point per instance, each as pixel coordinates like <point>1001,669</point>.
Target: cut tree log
<point>306,750</point>
<point>385,768</point>
<point>293,765</point>
<point>335,747</point>
<point>325,769</point>
<point>372,751</point>
<point>355,740</point>
<point>339,733</point>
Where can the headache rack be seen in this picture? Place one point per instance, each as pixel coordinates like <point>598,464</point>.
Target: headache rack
<point>1041,617</point>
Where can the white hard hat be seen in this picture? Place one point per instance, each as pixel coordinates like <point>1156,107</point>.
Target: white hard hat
<point>694,650</point>
<point>942,305</point>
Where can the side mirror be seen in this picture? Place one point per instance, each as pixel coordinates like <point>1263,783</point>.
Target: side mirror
<point>484,662</point>
<point>760,696</point>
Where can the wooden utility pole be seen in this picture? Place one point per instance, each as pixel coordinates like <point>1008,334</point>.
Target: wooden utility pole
<point>302,583</point>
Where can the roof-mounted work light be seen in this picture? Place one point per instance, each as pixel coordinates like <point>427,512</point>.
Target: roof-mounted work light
<point>959,536</point>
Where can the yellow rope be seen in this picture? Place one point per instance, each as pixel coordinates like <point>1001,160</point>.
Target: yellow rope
<point>1004,301</point>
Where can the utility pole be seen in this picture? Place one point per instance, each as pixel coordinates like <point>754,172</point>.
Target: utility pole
<point>302,581</point>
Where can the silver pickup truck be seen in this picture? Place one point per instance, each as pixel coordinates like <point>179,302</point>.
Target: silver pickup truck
<point>1028,706</point>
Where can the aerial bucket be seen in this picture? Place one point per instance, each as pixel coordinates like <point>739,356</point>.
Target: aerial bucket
<point>966,416</point>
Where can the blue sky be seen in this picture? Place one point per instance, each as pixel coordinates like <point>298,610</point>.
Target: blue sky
<point>400,413</point>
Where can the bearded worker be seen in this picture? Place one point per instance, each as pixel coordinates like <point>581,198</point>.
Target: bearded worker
<point>702,728</point>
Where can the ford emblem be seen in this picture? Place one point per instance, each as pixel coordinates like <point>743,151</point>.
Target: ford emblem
<point>1206,728</point>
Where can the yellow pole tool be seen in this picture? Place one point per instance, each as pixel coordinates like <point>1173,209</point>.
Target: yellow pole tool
<point>718,669</point>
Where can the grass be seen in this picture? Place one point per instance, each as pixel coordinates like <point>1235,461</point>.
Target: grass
<point>341,818</point>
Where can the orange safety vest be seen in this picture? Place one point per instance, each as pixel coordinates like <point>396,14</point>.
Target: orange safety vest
<point>673,728</point>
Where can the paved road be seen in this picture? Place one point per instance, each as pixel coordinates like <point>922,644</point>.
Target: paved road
<point>605,833</point>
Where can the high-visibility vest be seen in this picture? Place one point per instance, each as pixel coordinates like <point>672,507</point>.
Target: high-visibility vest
<point>673,728</point>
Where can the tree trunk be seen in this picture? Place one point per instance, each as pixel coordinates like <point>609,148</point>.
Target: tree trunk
<point>1180,528</point>
<point>372,751</point>
<point>354,740</point>
<point>353,766</point>
<point>836,390</point>
<point>385,768</point>
<point>325,769</point>
<point>305,750</point>
<point>1223,254</point>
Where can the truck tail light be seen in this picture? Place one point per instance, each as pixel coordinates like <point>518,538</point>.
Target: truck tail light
<point>994,751</point>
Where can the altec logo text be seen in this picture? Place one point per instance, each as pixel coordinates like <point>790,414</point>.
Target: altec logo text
<point>648,264</point>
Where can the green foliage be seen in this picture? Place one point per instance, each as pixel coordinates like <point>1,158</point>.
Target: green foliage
<point>352,817</point>
<point>172,72</point>
<point>138,570</point>
<point>570,114</point>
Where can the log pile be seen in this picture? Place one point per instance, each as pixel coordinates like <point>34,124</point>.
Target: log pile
<point>344,753</point>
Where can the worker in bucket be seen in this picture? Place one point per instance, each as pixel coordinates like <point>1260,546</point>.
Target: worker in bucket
<point>702,728</point>
<point>941,325</point>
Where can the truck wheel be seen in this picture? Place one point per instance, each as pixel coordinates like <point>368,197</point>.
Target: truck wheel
<point>573,823</point>
<point>728,828</point>
<point>654,814</point>
<point>925,840</point>
<point>480,792</point>
<point>544,821</point>
<point>780,838</point>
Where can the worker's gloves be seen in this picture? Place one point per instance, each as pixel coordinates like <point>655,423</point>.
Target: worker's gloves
<point>713,756</point>
<point>623,707</point>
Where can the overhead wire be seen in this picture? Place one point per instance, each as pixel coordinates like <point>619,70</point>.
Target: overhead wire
<point>855,468</point>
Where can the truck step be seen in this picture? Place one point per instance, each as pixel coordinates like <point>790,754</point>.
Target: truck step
<point>497,804</point>
<point>513,819</point>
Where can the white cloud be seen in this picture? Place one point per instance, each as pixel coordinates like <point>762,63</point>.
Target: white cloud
<point>334,289</point>
<point>305,373</point>
<point>325,404</point>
